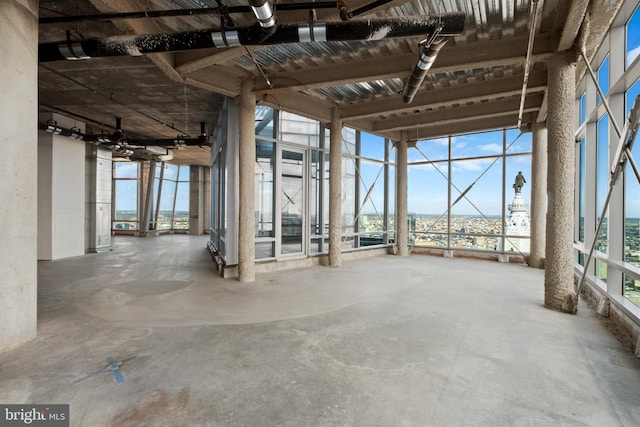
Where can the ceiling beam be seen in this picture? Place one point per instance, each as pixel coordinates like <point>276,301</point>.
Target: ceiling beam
<point>463,113</point>
<point>445,96</point>
<point>577,11</point>
<point>477,55</point>
<point>191,61</point>
<point>477,124</point>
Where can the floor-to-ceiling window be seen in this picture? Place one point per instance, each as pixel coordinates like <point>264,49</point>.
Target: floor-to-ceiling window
<point>615,264</point>
<point>461,192</point>
<point>125,195</point>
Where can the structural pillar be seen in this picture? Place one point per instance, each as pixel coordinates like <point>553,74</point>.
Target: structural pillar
<point>196,200</point>
<point>18,163</point>
<point>559,293</point>
<point>538,195</point>
<point>246,178</point>
<point>402,226</point>
<point>335,190</point>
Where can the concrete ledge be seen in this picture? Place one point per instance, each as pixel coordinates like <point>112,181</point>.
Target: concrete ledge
<point>269,266</point>
<point>621,324</point>
<point>461,253</point>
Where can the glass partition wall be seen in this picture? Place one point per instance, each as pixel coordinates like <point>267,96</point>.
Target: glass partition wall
<point>459,194</point>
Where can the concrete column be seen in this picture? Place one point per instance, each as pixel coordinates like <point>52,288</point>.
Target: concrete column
<point>196,200</point>
<point>18,193</point>
<point>247,172</point>
<point>559,278</point>
<point>335,191</point>
<point>147,173</point>
<point>402,226</point>
<point>538,195</point>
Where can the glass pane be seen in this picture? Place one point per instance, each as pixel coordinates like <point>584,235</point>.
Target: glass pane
<point>603,78</point>
<point>476,144</point>
<point>428,240</point>
<point>479,211</point>
<point>126,199</point>
<point>125,170</point>
<point>428,197</point>
<point>264,189</point>
<point>371,146</point>
<point>391,221</point>
<point>298,129</point>
<point>632,289</point>
<point>170,172</point>
<point>166,205</point>
<point>183,175</point>
<point>371,197</point>
<point>325,219</point>
<point>264,121</point>
<point>602,179</point>
<point>429,150</point>
<point>348,197</point>
<point>630,98</point>
<point>583,108</point>
<point>292,201</point>
<point>517,143</point>
<point>518,199</point>
<point>349,141</point>
<point>181,214</point>
<point>264,250</point>
<point>601,270</point>
<point>633,37</point>
<point>582,189</point>
<point>632,205</point>
<point>315,201</point>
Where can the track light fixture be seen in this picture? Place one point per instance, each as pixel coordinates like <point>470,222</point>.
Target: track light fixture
<point>52,126</point>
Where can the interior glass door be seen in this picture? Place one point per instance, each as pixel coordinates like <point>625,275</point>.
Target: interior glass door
<point>292,201</point>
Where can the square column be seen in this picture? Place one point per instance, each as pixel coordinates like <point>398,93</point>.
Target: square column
<point>18,165</point>
<point>61,192</point>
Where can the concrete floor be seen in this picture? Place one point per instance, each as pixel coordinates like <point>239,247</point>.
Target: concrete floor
<point>384,341</point>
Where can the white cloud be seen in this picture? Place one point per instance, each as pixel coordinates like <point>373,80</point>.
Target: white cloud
<point>471,165</point>
<point>492,148</point>
<point>633,54</point>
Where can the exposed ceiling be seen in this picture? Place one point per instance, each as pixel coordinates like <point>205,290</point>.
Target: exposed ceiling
<point>475,83</point>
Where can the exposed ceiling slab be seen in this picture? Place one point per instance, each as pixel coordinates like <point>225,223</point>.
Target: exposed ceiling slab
<point>474,83</point>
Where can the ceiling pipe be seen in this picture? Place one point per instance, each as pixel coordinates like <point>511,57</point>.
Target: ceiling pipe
<point>180,12</point>
<point>450,24</point>
<point>427,58</point>
<point>265,14</point>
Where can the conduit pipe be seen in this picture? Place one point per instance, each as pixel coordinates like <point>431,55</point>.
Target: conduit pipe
<point>532,35</point>
<point>118,142</point>
<point>427,58</point>
<point>180,12</point>
<point>364,30</point>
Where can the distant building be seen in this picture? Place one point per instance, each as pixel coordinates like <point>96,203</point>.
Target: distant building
<point>517,225</point>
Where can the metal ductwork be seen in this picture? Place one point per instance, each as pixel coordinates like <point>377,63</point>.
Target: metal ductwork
<point>265,15</point>
<point>448,24</point>
<point>427,58</point>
